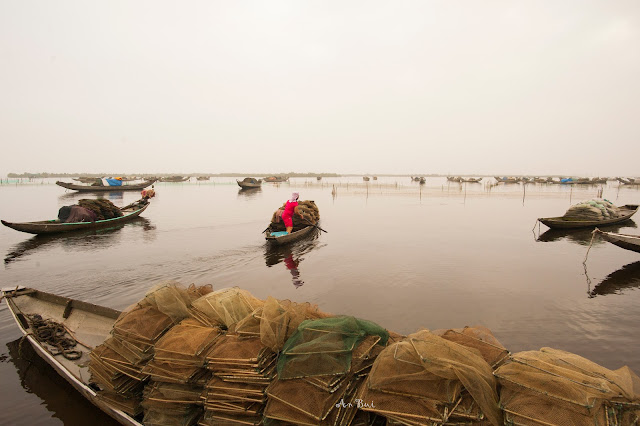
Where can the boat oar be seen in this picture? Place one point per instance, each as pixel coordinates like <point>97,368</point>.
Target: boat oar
<point>315,226</point>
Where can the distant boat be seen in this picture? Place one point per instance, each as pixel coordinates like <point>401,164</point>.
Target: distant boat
<point>248,182</point>
<point>560,222</point>
<point>319,178</point>
<point>375,178</point>
<point>627,242</point>
<point>273,179</point>
<point>471,180</point>
<point>507,179</point>
<point>202,178</point>
<point>422,181</point>
<point>365,178</point>
<point>454,178</point>
<point>175,179</point>
<point>96,188</point>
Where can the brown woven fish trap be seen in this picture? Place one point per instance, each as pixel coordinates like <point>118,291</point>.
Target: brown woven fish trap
<point>242,367</point>
<point>104,209</point>
<point>556,387</point>
<point>329,399</point>
<point>426,377</point>
<point>308,209</point>
<point>480,338</point>
<point>224,307</point>
<point>276,321</point>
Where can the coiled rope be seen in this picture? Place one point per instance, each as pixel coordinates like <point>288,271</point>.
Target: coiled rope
<point>55,335</point>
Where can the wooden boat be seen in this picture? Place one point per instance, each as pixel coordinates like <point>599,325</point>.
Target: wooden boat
<point>202,178</point>
<point>625,241</point>
<point>422,181</point>
<point>288,238</point>
<point>318,177</point>
<point>375,178</point>
<point>471,180</point>
<point>507,179</point>
<point>629,181</point>
<point>276,179</point>
<point>175,179</point>
<point>365,178</point>
<point>55,226</point>
<point>91,188</point>
<point>89,324</point>
<point>626,211</point>
<point>247,183</point>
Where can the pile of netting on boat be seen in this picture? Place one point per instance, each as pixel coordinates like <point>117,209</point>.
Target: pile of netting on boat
<point>596,209</point>
<point>309,211</point>
<point>187,356</point>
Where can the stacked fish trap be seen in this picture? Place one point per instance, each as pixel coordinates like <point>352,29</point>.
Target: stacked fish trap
<point>320,370</point>
<point>242,368</point>
<point>178,374</point>
<point>551,386</point>
<point>117,365</point>
<point>104,209</point>
<point>308,209</point>
<point>427,378</point>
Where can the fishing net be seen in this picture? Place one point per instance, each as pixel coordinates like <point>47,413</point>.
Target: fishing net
<point>120,365</point>
<point>327,399</point>
<point>596,209</point>
<point>428,377</point>
<point>551,386</point>
<point>309,211</point>
<point>224,307</point>
<point>104,209</point>
<point>242,368</point>
<point>324,346</point>
<point>277,320</point>
<point>480,338</point>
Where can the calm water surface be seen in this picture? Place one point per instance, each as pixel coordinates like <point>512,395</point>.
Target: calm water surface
<point>403,255</point>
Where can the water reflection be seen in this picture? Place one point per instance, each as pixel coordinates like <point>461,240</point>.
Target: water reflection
<point>627,277</point>
<point>58,396</point>
<point>74,196</point>
<point>291,256</point>
<point>79,240</point>
<point>249,192</point>
<point>581,236</point>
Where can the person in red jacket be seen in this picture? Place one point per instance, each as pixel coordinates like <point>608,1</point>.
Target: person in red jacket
<point>291,208</point>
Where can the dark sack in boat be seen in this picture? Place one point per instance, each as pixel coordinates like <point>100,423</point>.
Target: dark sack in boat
<point>63,213</point>
<point>80,214</point>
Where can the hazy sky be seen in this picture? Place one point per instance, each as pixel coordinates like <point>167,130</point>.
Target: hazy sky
<point>514,87</point>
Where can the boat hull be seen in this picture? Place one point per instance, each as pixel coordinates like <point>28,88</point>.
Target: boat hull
<point>89,188</point>
<point>627,242</point>
<point>247,185</point>
<point>289,238</point>
<point>89,323</point>
<point>55,227</point>
<point>559,223</point>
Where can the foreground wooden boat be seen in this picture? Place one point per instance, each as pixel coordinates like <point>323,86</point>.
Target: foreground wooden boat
<point>55,226</point>
<point>88,324</point>
<point>249,183</point>
<point>627,242</point>
<point>559,222</point>
<point>90,188</point>
<point>277,237</point>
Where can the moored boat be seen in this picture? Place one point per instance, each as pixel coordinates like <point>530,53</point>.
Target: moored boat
<point>96,188</point>
<point>471,180</point>
<point>55,226</point>
<point>627,242</point>
<point>561,222</point>
<point>87,324</point>
<point>275,179</point>
<point>175,179</point>
<point>247,183</point>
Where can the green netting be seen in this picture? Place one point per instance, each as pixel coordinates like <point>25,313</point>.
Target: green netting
<point>324,346</point>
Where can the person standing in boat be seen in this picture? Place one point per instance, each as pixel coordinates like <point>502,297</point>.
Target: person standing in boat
<point>291,208</point>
